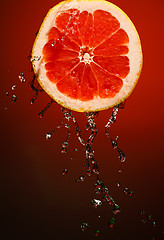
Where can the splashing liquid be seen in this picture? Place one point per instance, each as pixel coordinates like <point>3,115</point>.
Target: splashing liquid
<point>91,165</point>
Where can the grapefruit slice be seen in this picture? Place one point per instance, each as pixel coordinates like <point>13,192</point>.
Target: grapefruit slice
<point>89,55</point>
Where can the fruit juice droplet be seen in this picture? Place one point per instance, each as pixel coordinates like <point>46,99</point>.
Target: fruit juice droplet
<point>84,226</point>
<point>5,108</point>
<point>67,125</point>
<point>122,156</point>
<point>81,178</point>
<point>114,143</point>
<point>131,193</point>
<point>64,150</point>
<point>120,170</point>
<point>14,99</point>
<point>21,77</point>
<point>149,217</point>
<point>75,149</point>
<point>142,213</point>
<point>111,222</point>
<point>117,184</point>
<point>14,87</point>
<point>97,233</point>
<point>126,190</point>
<point>48,136</point>
<point>96,202</point>
<point>144,220</point>
<point>35,58</point>
<point>7,93</point>
<point>65,171</point>
<point>154,224</point>
<point>116,209</point>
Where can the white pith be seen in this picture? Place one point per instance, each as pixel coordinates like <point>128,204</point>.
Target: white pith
<point>134,55</point>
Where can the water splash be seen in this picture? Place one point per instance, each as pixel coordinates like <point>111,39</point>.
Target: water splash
<point>40,115</point>
<point>96,202</point>
<point>34,86</point>
<point>112,120</point>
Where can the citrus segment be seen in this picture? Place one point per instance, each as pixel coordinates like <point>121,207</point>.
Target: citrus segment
<point>118,65</point>
<point>115,45</point>
<point>66,22</point>
<point>91,55</point>
<point>109,84</point>
<point>89,86</point>
<point>85,24</point>
<point>55,51</point>
<point>103,26</point>
<point>70,84</point>
<point>59,69</point>
<point>55,35</point>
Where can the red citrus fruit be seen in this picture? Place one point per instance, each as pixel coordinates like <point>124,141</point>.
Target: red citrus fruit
<point>87,55</point>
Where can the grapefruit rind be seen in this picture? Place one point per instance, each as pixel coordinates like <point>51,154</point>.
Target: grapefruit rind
<point>135,56</point>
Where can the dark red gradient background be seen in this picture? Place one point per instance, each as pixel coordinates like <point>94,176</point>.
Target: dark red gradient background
<point>37,201</point>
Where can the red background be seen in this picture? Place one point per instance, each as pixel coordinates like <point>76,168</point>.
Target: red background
<point>37,201</point>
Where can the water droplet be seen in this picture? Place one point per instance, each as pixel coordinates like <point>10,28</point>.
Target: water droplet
<point>7,93</point>
<point>48,136</point>
<point>14,87</point>
<point>96,203</point>
<point>84,226</point>
<point>114,144</point>
<point>154,224</point>
<point>75,149</point>
<point>144,220</point>
<point>64,150</point>
<point>77,181</point>
<point>81,178</point>
<point>36,58</point>
<point>67,125</point>
<point>65,171</point>
<point>14,98</point>
<point>99,216</point>
<point>116,209</point>
<point>120,171</point>
<point>72,158</point>
<point>89,173</point>
<point>53,43</point>
<point>97,233</point>
<point>149,217</point>
<point>64,144</point>
<point>5,108</point>
<point>122,157</point>
<point>116,137</point>
<point>131,193</point>
<point>98,188</point>
<point>21,77</point>
<point>111,222</point>
<point>126,190</point>
<point>117,184</point>
<point>142,213</point>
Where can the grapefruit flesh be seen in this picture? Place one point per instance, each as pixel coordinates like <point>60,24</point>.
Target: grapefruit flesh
<point>95,36</point>
<point>86,57</point>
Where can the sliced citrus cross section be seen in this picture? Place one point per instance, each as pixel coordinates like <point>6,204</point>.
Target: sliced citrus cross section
<point>90,55</point>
